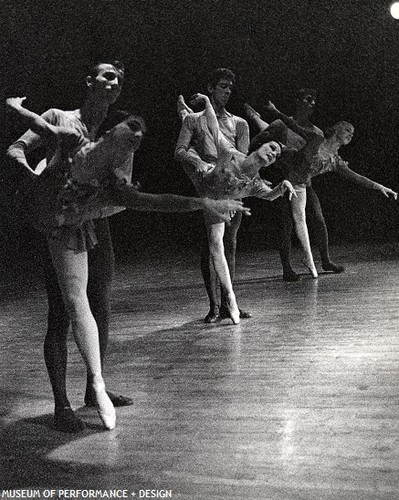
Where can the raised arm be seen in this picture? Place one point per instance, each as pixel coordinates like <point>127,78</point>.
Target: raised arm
<point>32,120</point>
<point>346,172</point>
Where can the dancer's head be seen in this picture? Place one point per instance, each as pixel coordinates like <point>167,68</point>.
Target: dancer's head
<point>220,85</point>
<point>342,131</point>
<point>124,127</point>
<point>267,146</point>
<point>305,101</point>
<point>105,80</point>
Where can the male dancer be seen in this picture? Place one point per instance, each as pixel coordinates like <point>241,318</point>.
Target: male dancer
<point>193,135</point>
<point>104,85</point>
<point>305,103</point>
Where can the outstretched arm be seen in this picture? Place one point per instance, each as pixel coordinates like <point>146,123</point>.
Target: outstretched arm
<point>128,196</point>
<point>35,122</point>
<point>346,172</point>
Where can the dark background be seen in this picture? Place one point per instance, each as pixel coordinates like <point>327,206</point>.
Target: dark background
<point>347,49</point>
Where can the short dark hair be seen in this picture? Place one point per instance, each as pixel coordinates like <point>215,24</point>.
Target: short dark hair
<point>119,66</point>
<point>221,74</point>
<point>301,93</point>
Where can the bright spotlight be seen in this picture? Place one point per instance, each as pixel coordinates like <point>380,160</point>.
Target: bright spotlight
<point>395,10</point>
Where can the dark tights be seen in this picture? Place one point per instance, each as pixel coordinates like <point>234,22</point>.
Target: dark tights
<point>317,224</point>
<point>208,272</point>
<point>101,269</point>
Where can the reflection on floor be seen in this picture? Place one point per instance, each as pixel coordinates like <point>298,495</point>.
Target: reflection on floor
<point>299,402</point>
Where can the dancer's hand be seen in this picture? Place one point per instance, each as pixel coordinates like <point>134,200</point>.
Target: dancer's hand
<point>15,102</point>
<point>204,169</point>
<point>225,208</point>
<point>287,186</point>
<point>387,192</point>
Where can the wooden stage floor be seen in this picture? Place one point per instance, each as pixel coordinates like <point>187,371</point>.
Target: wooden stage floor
<point>299,402</point>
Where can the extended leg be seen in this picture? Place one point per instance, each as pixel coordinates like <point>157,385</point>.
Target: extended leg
<point>255,118</point>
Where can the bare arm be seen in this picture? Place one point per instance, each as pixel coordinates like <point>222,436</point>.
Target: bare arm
<point>32,120</point>
<point>346,172</point>
<point>128,196</point>
<point>266,193</point>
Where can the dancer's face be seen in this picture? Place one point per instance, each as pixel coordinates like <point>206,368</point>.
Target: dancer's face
<point>107,84</point>
<point>344,132</point>
<point>125,135</point>
<point>266,155</point>
<point>306,105</point>
<point>269,152</point>
<point>221,92</point>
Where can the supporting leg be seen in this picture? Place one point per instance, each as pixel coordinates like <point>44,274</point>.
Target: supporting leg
<point>216,248</point>
<point>286,228</point>
<point>230,248</point>
<point>298,210</point>
<point>72,273</point>
<point>315,212</point>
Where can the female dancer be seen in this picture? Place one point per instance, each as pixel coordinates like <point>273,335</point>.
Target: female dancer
<point>234,175</point>
<point>318,156</point>
<point>76,185</point>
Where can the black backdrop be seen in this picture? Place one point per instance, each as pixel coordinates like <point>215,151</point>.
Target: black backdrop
<point>347,49</point>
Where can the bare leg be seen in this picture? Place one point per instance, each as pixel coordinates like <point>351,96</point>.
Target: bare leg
<point>182,109</point>
<point>216,248</point>
<point>72,272</point>
<point>230,247</point>
<point>254,117</point>
<point>298,212</point>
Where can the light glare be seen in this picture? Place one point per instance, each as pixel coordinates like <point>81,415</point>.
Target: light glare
<point>395,10</point>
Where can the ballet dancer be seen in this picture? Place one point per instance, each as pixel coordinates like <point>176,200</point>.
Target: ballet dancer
<point>233,175</point>
<point>318,156</point>
<point>305,103</point>
<point>76,268</point>
<point>220,87</point>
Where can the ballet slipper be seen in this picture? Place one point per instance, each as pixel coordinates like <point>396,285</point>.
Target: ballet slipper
<point>311,267</point>
<point>331,266</point>
<point>182,109</point>
<point>105,408</point>
<point>232,309</point>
